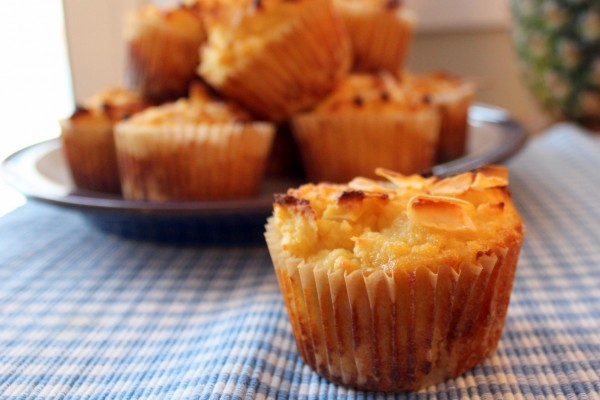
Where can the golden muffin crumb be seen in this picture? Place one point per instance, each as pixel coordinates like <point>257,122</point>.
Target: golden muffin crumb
<point>403,224</point>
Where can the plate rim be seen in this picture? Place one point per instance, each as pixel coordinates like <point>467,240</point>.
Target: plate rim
<point>514,133</point>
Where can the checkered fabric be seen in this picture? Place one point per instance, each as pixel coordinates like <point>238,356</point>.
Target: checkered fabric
<point>85,315</point>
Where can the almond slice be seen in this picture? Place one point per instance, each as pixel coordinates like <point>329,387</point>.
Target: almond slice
<point>440,212</point>
<point>454,185</point>
<point>405,182</point>
<point>490,176</point>
<point>369,185</point>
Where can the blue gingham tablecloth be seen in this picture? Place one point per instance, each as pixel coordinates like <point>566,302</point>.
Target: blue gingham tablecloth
<point>85,315</point>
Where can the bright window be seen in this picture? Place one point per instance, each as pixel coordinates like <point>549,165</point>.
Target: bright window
<point>35,83</point>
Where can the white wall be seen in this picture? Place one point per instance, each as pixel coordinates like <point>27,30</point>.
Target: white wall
<point>438,15</point>
<point>95,31</point>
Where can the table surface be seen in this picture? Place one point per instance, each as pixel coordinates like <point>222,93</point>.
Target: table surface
<point>87,315</point>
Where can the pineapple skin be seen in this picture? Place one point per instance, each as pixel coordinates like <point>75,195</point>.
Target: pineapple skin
<point>558,45</point>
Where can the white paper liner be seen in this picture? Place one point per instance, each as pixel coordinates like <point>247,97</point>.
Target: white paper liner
<point>380,38</point>
<point>337,148</point>
<point>89,149</point>
<point>192,162</point>
<point>402,331</point>
<point>454,112</point>
<point>161,63</point>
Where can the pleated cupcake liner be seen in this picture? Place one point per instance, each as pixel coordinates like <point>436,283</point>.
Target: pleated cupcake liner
<point>192,162</point>
<point>91,156</point>
<point>454,111</point>
<point>295,69</point>
<point>161,64</point>
<point>401,330</point>
<point>337,148</point>
<point>380,38</point>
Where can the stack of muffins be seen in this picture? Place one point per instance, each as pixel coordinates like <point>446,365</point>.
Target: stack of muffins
<point>307,88</point>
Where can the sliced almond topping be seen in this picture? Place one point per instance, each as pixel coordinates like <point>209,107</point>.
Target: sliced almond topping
<point>454,185</point>
<point>405,182</point>
<point>440,212</point>
<point>369,185</point>
<point>490,176</point>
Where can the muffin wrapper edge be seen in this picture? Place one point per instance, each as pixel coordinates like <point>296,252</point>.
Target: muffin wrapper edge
<point>400,331</point>
<point>161,64</point>
<point>91,156</point>
<point>454,112</point>
<point>192,162</point>
<point>339,147</point>
<point>380,38</point>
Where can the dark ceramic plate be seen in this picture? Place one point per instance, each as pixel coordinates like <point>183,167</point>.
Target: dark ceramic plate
<point>40,173</point>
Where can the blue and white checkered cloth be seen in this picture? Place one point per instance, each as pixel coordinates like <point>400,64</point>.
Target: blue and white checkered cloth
<point>85,315</point>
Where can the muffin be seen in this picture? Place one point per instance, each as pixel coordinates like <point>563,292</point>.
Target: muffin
<point>88,141</point>
<point>365,123</point>
<point>380,32</point>
<point>192,149</point>
<point>274,57</point>
<point>399,285</point>
<point>163,51</point>
<point>453,97</point>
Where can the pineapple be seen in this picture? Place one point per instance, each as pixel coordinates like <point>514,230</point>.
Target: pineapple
<point>558,44</point>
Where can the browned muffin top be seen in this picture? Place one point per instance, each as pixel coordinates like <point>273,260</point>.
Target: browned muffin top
<point>361,92</point>
<point>199,108</point>
<point>435,85</point>
<point>406,222</point>
<point>114,104</point>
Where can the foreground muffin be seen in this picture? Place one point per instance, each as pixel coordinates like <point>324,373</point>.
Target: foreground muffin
<point>163,50</point>
<point>380,32</point>
<point>192,149</point>
<point>365,123</point>
<point>399,285</point>
<point>453,97</point>
<point>88,140</point>
<point>274,57</point>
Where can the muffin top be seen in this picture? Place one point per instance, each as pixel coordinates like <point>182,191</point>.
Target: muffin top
<point>436,85</point>
<point>182,21</point>
<point>238,29</point>
<point>113,105</point>
<point>368,92</point>
<point>199,108</point>
<point>404,223</point>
